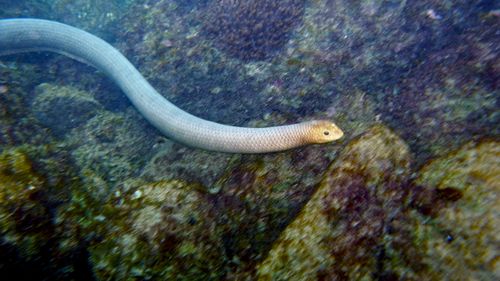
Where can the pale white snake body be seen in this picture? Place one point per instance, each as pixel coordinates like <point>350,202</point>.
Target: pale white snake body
<point>24,35</point>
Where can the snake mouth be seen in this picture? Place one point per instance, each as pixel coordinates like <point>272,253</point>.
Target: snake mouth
<point>338,134</point>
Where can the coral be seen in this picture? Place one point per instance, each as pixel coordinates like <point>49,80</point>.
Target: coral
<point>252,30</point>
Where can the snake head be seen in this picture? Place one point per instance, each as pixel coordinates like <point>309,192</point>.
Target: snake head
<point>322,131</point>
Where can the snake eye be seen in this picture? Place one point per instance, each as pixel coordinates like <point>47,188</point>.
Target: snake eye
<point>326,133</point>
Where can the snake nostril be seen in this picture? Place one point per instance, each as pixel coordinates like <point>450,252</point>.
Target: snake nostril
<point>326,133</point>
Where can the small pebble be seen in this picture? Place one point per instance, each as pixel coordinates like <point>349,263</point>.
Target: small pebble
<point>4,89</point>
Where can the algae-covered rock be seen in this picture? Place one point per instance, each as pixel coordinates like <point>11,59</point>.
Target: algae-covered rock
<point>17,125</point>
<point>34,183</point>
<point>252,30</point>
<point>19,209</point>
<point>471,224</point>
<point>63,108</point>
<point>345,226</point>
<point>354,112</point>
<point>113,146</point>
<point>450,96</point>
<point>370,220</point>
<point>159,231</point>
<point>259,195</point>
<point>176,161</point>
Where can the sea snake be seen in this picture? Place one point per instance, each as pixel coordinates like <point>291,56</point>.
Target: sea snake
<point>26,35</point>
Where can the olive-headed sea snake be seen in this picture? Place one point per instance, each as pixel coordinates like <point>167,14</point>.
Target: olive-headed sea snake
<point>26,35</point>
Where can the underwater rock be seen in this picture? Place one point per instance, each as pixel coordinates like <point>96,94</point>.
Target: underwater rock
<point>80,13</point>
<point>360,44</point>
<point>17,124</point>
<point>341,229</point>
<point>19,209</point>
<point>25,223</point>
<point>369,220</point>
<point>430,66</point>
<point>362,223</point>
<point>185,6</point>
<point>63,108</point>
<point>157,231</point>
<point>440,112</point>
<point>257,196</point>
<point>451,96</point>
<point>28,199</point>
<point>114,146</point>
<point>191,73</point>
<point>195,76</point>
<point>354,113</point>
<point>175,161</point>
<point>461,242</point>
<point>252,30</point>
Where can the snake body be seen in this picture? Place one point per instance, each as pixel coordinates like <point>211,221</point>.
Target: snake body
<point>26,35</point>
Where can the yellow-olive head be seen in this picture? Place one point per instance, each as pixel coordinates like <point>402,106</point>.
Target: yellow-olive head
<point>322,131</point>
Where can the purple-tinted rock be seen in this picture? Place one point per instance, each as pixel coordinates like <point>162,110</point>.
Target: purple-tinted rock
<point>369,220</point>
<point>343,232</point>
<point>252,30</point>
